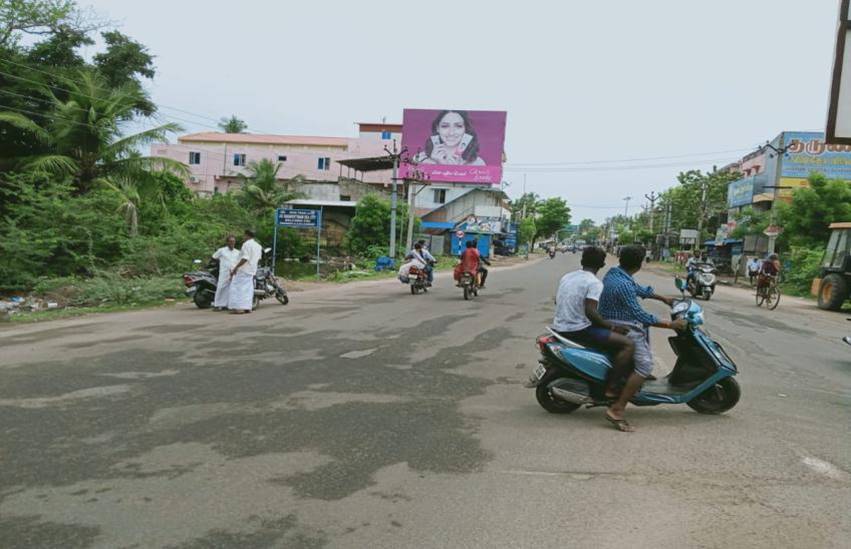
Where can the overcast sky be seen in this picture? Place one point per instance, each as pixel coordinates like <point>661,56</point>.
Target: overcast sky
<point>581,80</point>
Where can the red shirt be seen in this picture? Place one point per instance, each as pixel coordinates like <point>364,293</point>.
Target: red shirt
<point>470,260</point>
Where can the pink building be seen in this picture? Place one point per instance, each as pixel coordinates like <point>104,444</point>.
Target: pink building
<point>216,160</point>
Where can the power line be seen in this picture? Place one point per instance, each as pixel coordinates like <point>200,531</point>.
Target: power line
<point>617,161</point>
<point>67,79</point>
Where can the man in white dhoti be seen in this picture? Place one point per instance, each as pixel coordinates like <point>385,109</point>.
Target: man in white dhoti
<point>227,256</point>
<point>241,293</point>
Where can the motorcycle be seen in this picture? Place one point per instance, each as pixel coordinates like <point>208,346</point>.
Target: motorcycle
<point>570,375</point>
<point>552,253</point>
<point>201,284</point>
<point>468,285</point>
<point>418,280</point>
<point>266,283</point>
<point>702,282</point>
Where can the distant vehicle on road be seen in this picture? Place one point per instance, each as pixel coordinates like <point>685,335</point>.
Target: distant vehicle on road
<point>833,285</point>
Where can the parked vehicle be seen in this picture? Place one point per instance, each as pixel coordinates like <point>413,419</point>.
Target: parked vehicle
<point>469,285</point>
<point>201,284</point>
<point>570,375</point>
<point>418,280</point>
<point>702,284</point>
<point>266,284</point>
<point>833,285</point>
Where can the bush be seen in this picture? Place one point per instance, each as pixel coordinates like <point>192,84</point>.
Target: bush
<point>109,288</point>
<point>804,267</point>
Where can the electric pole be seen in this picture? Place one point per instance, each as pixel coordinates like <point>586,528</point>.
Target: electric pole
<point>626,207</point>
<point>653,197</point>
<point>396,155</point>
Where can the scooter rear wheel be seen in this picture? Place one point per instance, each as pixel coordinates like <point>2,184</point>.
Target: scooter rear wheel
<point>550,403</point>
<point>717,399</point>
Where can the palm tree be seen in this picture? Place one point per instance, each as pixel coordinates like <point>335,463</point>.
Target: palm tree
<point>82,134</point>
<point>262,189</point>
<point>232,125</point>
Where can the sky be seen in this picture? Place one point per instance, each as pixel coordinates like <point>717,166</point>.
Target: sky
<point>588,86</point>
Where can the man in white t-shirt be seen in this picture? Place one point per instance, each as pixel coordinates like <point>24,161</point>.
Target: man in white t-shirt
<point>241,296</point>
<point>577,318</point>
<point>227,257</point>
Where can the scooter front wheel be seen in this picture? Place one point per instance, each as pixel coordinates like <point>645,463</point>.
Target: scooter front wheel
<point>717,399</point>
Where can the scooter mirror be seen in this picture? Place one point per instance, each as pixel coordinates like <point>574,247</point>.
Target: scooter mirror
<point>267,250</point>
<point>680,284</point>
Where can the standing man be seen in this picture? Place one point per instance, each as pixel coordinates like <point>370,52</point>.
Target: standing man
<point>227,256</point>
<point>753,268</point>
<point>241,295</point>
<point>619,305</point>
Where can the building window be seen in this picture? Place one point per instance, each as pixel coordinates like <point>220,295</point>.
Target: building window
<point>282,158</point>
<point>194,158</point>
<point>440,196</point>
<point>324,163</point>
<point>239,159</point>
<point>385,134</point>
<point>345,198</point>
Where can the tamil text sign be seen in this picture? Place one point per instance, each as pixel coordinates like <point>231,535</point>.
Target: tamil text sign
<point>807,152</point>
<point>297,218</point>
<point>740,193</point>
<point>454,146</point>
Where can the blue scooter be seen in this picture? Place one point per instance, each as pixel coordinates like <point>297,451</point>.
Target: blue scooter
<point>570,375</point>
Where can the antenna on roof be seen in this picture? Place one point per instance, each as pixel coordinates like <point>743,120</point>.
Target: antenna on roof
<point>383,119</point>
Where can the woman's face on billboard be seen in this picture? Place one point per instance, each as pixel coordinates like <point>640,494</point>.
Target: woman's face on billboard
<point>451,129</point>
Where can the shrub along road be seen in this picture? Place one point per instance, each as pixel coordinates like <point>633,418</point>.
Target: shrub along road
<point>362,416</point>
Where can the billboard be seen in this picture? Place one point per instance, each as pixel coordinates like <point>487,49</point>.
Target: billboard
<point>807,152</point>
<point>740,193</point>
<point>454,146</point>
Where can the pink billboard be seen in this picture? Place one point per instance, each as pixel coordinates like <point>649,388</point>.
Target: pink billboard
<point>454,146</point>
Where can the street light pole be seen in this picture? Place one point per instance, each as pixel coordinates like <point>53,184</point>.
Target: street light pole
<point>395,154</point>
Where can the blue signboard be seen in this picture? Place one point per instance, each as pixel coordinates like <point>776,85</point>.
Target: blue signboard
<point>740,193</point>
<point>807,152</point>
<point>297,218</point>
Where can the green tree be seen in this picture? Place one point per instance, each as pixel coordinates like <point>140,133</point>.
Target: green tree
<point>526,231</point>
<point>40,18</point>
<point>749,222</point>
<point>82,134</point>
<point>526,204</point>
<point>370,227</point>
<point>261,188</point>
<point>553,214</point>
<point>233,125</point>
<point>806,219</point>
<point>585,226</point>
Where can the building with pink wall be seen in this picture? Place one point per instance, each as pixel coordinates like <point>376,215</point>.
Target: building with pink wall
<point>216,160</point>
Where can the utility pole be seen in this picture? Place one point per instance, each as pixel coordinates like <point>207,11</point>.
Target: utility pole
<point>396,155</point>
<point>626,207</point>
<point>653,197</point>
<point>416,176</point>
<point>702,216</point>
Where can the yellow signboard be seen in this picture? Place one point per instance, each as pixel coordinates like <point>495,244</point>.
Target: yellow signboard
<point>793,183</point>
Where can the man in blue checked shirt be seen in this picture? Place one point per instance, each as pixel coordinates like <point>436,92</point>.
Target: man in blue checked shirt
<point>619,305</point>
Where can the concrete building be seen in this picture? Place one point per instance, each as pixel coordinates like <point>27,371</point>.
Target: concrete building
<point>310,164</point>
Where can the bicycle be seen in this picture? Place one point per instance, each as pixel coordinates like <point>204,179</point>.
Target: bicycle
<point>768,294</point>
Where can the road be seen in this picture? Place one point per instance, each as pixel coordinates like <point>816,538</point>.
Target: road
<point>361,416</point>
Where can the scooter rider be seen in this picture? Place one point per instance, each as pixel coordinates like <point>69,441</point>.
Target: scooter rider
<point>429,260</point>
<point>482,271</point>
<point>577,318</point>
<point>619,305</point>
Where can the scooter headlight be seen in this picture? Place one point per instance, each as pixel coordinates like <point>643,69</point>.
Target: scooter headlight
<point>680,307</point>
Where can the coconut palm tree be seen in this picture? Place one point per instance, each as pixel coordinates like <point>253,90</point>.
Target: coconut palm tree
<point>233,125</point>
<point>261,187</point>
<point>82,134</point>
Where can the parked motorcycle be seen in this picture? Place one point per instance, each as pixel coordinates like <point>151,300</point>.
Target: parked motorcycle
<point>201,284</point>
<point>570,375</point>
<point>468,285</point>
<point>418,280</point>
<point>266,284</point>
<point>702,283</point>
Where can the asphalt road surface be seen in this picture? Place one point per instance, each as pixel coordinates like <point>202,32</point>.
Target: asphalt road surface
<point>361,416</point>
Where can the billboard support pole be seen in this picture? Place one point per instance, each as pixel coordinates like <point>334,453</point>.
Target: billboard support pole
<point>318,236</point>
<point>396,155</point>
<point>275,242</point>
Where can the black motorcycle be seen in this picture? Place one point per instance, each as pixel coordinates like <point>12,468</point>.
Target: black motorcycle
<point>201,284</point>
<point>266,284</point>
